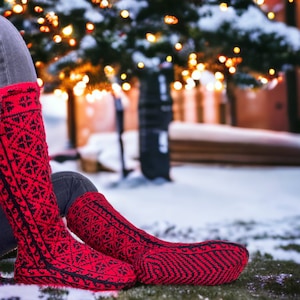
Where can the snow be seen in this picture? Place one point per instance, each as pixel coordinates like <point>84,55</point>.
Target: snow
<point>210,199</point>
<point>248,204</point>
<point>252,22</point>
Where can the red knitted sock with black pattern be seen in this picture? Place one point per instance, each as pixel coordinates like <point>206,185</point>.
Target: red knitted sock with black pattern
<point>98,224</point>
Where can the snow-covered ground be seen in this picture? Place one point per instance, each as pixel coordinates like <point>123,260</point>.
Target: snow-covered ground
<point>258,206</point>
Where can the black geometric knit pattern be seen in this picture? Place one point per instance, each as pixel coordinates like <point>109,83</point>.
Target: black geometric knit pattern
<point>47,253</point>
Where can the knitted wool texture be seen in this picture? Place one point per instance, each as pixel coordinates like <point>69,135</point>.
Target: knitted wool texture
<point>97,223</point>
<point>47,253</point>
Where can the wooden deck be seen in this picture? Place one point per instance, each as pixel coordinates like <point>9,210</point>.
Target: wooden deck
<point>223,144</point>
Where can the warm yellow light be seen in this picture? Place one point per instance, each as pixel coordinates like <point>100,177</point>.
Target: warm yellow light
<point>72,42</point>
<point>104,4</point>
<point>222,59</point>
<point>38,9</point>
<point>61,94</point>
<point>177,85</point>
<point>40,82</point>
<point>85,78</point>
<point>169,58</point>
<point>219,76</point>
<point>263,80</point>
<point>218,86</point>
<point>44,29</point>
<point>271,15</point>
<point>141,65</point>
<point>232,70</point>
<point>123,76</point>
<point>109,71</point>
<point>193,62</point>
<point>201,67</point>
<point>170,20</point>
<point>178,46</point>
<point>150,37</point>
<point>185,73</point>
<point>193,56</point>
<point>196,75</point>
<point>67,31</point>
<point>260,2</point>
<point>7,13</point>
<point>126,86</point>
<point>223,6</point>
<point>125,14</point>
<point>190,83</point>
<point>41,20</point>
<point>57,38</point>
<point>236,50</point>
<point>210,86</point>
<point>228,62</point>
<point>18,9</point>
<point>89,26</point>
<point>272,72</point>
<point>38,63</point>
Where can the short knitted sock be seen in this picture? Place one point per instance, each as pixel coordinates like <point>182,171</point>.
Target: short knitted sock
<point>98,224</point>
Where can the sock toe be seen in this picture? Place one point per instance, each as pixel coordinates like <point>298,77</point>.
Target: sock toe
<point>208,263</point>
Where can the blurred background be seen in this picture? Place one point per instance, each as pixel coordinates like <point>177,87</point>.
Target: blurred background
<point>151,67</point>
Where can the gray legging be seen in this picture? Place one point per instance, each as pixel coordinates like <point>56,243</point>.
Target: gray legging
<point>67,186</point>
<point>15,61</point>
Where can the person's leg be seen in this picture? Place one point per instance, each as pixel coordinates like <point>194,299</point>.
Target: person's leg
<point>15,64</point>
<point>67,187</point>
<point>98,224</point>
<point>47,252</point>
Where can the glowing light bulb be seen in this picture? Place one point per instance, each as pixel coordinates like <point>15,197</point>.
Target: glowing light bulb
<point>177,85</point>
<point>18,9</point>
<point>170,20</point>
<point>150,37</point>
<point>236,50</point>
<point>271,15</point>
<point>178,46</point>
<point>222,59</point>
<point>223,6</point>
<point>141,65</point>
<point>67,31</point>
<point>124,14</point>
<point>57,38</point>
<point>126,86</point>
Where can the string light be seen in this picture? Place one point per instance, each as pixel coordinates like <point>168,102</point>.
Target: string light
<point>170,20</point>
<point>18,9</point>
<point>271,15</point>
<point>223,6</point>
<point>178,46</point>
<point>177,85</point>
<point>67,31</point>
<point>124,14</point>
<point>150,37</point>
<point>89,27</point>
<point>126,86</point>
<point>236,50</point>
<point>272,72</point>
<point>141,65</point>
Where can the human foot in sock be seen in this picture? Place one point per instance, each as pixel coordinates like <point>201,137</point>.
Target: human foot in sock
<point>97,223</point>
<point>47,253</point>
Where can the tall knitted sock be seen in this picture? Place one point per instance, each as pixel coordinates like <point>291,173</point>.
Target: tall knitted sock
<point>97,223</point>
<point>47,253</point>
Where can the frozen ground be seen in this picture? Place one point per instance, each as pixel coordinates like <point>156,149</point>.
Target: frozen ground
<point>258,206</point>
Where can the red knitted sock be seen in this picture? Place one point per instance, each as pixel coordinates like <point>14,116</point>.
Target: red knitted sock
<point>97,223</point>
<point>47,253</point>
